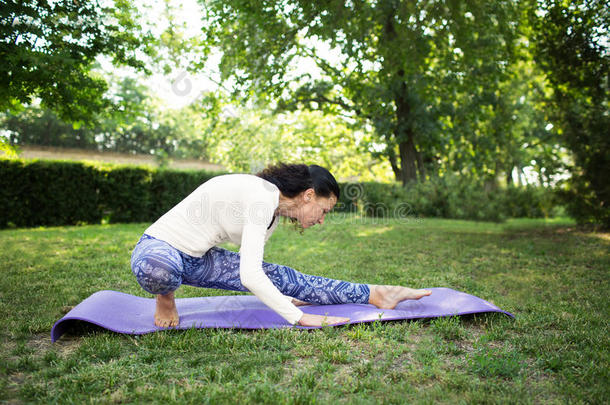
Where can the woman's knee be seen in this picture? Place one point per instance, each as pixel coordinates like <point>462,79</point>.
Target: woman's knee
<point>159,281</point>
<point>155,277</point>
<point>157,266</point>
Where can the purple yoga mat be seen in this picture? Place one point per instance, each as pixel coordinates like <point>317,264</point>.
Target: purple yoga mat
<point>124,313</point>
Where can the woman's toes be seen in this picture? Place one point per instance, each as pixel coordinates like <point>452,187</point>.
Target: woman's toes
<point>166,323</point>
<point>421,293</point>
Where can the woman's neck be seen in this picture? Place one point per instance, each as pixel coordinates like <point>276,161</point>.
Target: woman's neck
<point>285,206</point>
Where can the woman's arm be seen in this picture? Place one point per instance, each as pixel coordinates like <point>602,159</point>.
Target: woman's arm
<point>254,278</point>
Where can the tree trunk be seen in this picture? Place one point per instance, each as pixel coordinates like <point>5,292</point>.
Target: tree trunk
<point>420,166</point>
<point>522,176</point>
<point>509,176</point>
<point>404,133</point>
<point>394,163</point>
<point>490,184</point>
<point>407,160</point>
<point>541,177</point>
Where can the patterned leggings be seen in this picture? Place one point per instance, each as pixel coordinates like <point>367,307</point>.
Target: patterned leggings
<point>160,269</point>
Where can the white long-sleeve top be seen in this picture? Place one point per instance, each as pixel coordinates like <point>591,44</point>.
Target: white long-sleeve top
<point>233,207</point>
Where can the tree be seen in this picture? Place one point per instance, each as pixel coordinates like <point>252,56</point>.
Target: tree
<point>506,132</point>
<point>248,138</point>
<point>48,49</point>
<point>239,138</point>
<point>390,57</point>
<point>132,123</point>
<point>570,38</point>
<point>34,125</point>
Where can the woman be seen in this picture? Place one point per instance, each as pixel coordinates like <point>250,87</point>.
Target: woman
<point>180,247</point>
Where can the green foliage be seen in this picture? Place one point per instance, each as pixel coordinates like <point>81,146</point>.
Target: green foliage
<point>124,194</point>
<point>48,49</point>
<point>530,202</point>
<point>37,126</point>
<point>376,199</point>
<point>432,88</point>
<point>7,150</point>
<point>399,66</point>
<point>238,138</point>
<point>582,201</point>
<point>571,47</point>
<point>447,197</point>
<point>135,124</point>
<point>249,138</point>
<point>169,187</point>
<point>66,193</point>
<point>59,193</point>
<point>47,193</point>
<point>486,135</point>
<point>450,197</point>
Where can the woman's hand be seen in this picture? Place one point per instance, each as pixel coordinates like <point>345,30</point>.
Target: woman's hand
<point>320,320</point>
<point>299,303</point>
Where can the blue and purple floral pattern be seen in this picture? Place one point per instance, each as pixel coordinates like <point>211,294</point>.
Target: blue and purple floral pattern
<point>160,269</point>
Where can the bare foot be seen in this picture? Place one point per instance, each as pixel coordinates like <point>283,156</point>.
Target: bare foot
<point>388,296</point>
<point>299,303</point>
<point>166,314</point>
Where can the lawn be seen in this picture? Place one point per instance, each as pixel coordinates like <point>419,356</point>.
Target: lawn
<point>553,276</point>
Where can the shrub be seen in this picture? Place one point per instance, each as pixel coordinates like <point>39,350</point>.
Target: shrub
<point>583,203</point>
<point>448,197</point>
<point>125,194</point>
<point>48,193</point>
<point>169,187</point>
<point>34,193</point>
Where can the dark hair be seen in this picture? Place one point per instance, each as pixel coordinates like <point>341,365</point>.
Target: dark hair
<point>293,179</point>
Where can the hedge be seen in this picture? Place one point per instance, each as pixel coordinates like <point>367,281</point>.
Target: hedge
<point>54,193</point>
<point>47,193</point>
<point>449,197</point>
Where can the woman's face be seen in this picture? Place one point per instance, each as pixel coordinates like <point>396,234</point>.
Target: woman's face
<point>313,209</point>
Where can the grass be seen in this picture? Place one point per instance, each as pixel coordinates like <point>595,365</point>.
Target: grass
<point>553,276</point>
